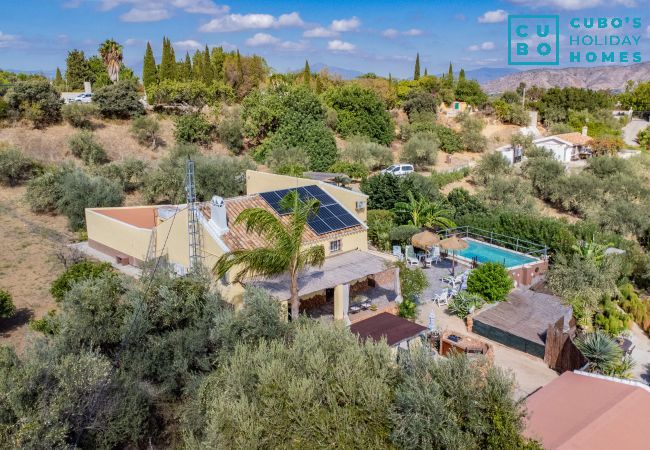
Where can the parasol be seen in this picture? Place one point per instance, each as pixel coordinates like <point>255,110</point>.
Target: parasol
<point>454,244</point>
<point>425,240</point>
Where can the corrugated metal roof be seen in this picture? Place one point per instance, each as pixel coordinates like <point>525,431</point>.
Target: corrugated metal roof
<point>389,326</point>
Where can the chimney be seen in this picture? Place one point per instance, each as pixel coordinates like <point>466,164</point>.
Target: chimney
<point>584,130</point>
<point>218,215</point>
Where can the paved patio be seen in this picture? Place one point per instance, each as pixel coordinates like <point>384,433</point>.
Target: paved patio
<point>434,275</point>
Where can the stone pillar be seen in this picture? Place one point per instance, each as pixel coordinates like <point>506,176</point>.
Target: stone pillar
<point>341,301</point>
<point>398,286</point>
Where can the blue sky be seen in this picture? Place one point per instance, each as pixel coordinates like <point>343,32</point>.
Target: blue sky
<point>370,36</point>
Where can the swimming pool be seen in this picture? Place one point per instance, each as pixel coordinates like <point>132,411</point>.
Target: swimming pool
<point>484,252</point>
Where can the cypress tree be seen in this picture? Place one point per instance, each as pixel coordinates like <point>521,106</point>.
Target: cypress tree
<point>197,66</point>
<point>149,69</point>
<point>187,67</point>
<point>167,62</point>
<point>416,72</point>
<point>306,74</point>
<point>319,84</point>
<point>390,79</point>
<point>208,72</point>
<point>218,58</point>
<point>426,72</point>
<point>58,79</point>
<point>461,75</point>
<point>77,69</point>
<point>240,69</point>
<point>450,74</point>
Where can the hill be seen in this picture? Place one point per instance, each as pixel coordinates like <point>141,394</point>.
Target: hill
<point>346,74</point>
<point>485,74</point>
<point>601,77</point>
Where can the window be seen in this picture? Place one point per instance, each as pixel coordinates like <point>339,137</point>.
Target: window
<point>335,246</point>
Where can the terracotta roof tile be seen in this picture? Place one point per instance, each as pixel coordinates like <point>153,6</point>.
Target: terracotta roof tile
<point>237,238</point>
<point>574,137</point>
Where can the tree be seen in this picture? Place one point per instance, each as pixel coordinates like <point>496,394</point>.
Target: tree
<point>167,69</point>
<point>146,130</point>
<point>606,145</point>
<point>58,80</point>
<point>416,71</point>
<point>78,272</point>
<point>470,91</point>
<point>306,74</point>
<point>230,130</point>
<point>380,223</point>
<point>456,402</point>
<point>421,150</point>
<point>79,115</point>
<point>77,70</point>
<point>7,308</point>
<point>471,127</point>
<point>450,75</point>
<point>360,112</point>
<point>285,253</point>
<point>149,68</point>
<point>84,146</point>
<point>193,129</point>
<point>373,156</point>
<point>491,166</point>
<point>111,53</point>
<point>421,212</point>
<point>119,100</point>
<point>420,101</point>
<point>491,281</point>
<point>16,168</point>
<point>35,100</point>
<point>461,75</point>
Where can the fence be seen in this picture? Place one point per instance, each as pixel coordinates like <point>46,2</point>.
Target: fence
<point>560,353</point>
<point>513,243</point>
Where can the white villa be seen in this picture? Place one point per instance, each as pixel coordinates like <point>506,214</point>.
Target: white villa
<point>566,147</point>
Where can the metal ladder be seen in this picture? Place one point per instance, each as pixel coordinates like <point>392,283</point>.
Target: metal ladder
<point>193,224</point>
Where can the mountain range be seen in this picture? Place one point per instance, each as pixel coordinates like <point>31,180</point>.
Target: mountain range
<point>611,78</point>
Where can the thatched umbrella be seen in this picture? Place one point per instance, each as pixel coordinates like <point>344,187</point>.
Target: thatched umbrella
<point>453,243</point>
<point>425,240</point>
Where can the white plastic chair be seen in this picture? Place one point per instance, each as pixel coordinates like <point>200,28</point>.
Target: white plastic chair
<point>397,252</point>
<point>435,254</point>
<point>411,259</point>
<point>442,299</point>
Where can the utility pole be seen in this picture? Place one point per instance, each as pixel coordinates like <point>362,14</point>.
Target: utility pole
<point>193,225</point>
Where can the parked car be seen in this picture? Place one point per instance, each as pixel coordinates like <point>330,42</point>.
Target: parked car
<point>82,98</point>
<point>399,169</point>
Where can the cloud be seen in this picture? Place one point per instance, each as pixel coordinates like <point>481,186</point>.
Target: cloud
<point>155,10</point>
<point>460,17</point>
<point>267,40</point>
<point>496,16</point>
<point>8,40</point>
<point>320,32</point>
<point>393,33</point>
<point>145,15</point>
<point>188,44</point>
<point>238,22</point>
<point>487,45</point>
<point>131,42</point>
<point>340,46</point>
<point>343,25</point>
<point>573,5</point>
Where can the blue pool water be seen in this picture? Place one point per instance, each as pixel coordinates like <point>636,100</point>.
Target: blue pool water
<point>488,253</point>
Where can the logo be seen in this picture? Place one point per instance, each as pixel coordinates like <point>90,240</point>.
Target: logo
<point>533,40</point>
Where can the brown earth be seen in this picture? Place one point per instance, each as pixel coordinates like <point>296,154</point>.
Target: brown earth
<point>29,244</point>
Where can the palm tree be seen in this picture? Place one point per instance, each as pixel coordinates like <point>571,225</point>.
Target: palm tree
<point>422,212</point>
<point>591,251</point>
<point>111,53</point>
<point>284,253</point>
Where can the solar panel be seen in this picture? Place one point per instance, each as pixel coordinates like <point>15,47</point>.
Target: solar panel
<point>331,216</point>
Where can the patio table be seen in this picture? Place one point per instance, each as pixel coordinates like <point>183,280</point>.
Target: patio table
<point>355,309</point>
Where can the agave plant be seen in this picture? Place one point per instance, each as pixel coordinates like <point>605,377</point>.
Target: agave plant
<point>463,302</point>
<point>602,352</point>
<point>111,53</point>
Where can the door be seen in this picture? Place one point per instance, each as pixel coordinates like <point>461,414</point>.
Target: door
<point>329,295</point>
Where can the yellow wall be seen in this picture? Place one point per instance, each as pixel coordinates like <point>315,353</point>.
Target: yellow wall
<point>124,238</point>
<point>177,246</point>
<point>356,241</point>
<point>257,182</point>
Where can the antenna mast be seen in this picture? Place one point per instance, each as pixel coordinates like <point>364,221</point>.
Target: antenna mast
<point>193,225</point>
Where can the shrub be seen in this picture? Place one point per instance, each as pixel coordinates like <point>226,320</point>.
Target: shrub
<point>193,129</point>
<point>544,174</point>
<point>602,352</point>
<point>81,191</point>
<point>119,101</point>
<point>194,93</point>
<point>35,100</point>
<point>441,179</point>
<point>637,308</point>
<point>230,130</point>
<point>491,281</point>
<point>408,308</point>
<point>610,318</point>
<point>4,109</point>
<point>450,140</point>
<point>79,115</point>
<point>380,224</point>
<point>352,170</point>
<point>421,150</point>
<point>402,234</point>
<point>643,138</point>
<point>471,136</point>
<point>146,130</point>
<point>288,161</point>
<point>464,302</point>
<point>606,145</point>
<point>360,112</point>
<point>48,324</point>
<point>130,173</point>
<point>7,308</point>
<point>84,270</point>
<point>359,150</point>
<point>16,168</point>
<point>44,192</point>
<point>419,101</point>
<point>84,146</point>
<point>464,203</point>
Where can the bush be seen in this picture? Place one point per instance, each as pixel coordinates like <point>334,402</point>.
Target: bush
<point>421,150</point>
<point>193,93</point>
<point>471,136</point>
<point>84,270</point>
<point>402,234</point>
<point>607,145</point>
<point>408,309</point>
<point>380,224</point>
<point>230,130</point>
<point>544,174</point>
<point>491,281</point>
<point>419,101</point>
<point>7,308</point>
<point>352,170</point>
<point>35,100</point>
<point>464,203</point>
<point>84,146</point>
<point>374,156</point>
<point>412,281</point>
<point>450,140</point>
<point>79,115</point>
<point>44,192</point>
<point>360,112</point>
<point>81,191</point>
<point>643,138</point>
<point>193,129</point>
<point>146,130</point>
<point>130,173</point>
<point>610,318</point>
<point>441,179</point>
<point>16,168</point>
<point>4,109</point>
<point>491,166</point>
<point>288,161</point>
<point>119,101</point>
<point>464,302</point>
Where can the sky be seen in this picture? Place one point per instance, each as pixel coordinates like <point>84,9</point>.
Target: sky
<point>368,36</point>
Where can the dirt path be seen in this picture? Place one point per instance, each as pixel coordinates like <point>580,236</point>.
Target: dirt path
<point>29,244</point>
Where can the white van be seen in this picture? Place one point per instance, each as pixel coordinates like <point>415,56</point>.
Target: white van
<point>399,169</point>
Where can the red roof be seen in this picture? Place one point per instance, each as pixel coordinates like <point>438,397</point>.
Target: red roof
<point>582,411</point>
<point>385,325</point>
<point>141,217</point>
